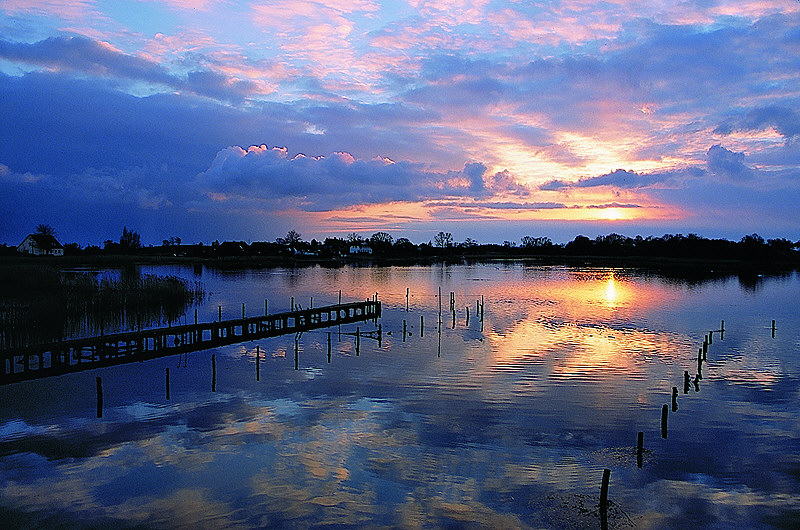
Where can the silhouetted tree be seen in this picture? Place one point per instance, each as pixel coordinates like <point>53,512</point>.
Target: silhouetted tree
<point>443,240</point>
<point>45,230</point>
<point>130,240</point>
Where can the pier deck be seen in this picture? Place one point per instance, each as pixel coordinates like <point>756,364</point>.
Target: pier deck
<point>34,362</point>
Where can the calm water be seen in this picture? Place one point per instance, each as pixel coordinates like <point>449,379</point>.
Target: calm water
<point>506,422</point>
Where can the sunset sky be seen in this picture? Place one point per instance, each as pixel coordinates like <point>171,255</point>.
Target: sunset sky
<point>489,119</point>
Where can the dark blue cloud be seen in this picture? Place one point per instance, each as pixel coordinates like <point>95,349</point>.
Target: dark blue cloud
<point>785,121</point>
<point>619,178</point>
<point>727,164</point>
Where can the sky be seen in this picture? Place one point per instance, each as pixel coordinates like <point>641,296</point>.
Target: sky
<point>492,120</point>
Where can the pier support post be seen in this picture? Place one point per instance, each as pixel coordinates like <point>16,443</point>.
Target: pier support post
<point>664,413</point>
<point>604,499</point>
<point>99,397</point>
<point>639,449</point>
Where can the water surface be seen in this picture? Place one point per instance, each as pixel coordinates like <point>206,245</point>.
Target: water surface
<point>504,421</point>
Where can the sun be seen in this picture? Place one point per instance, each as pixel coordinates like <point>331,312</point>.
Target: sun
<point>612,214</point>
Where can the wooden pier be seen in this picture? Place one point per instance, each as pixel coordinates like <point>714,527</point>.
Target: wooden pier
<point>45,360</point>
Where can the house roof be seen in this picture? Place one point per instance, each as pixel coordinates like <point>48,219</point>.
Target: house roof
<point>45,241</point>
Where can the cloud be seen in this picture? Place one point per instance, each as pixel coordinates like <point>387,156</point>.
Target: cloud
<point>81,54</point>
<point>727,164</point>
<point>619,178</point>
<point>785,121</point>
<point>339,179</point>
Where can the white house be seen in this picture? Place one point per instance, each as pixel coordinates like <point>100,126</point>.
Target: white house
<point>41,245</point>
<point>360,249</point>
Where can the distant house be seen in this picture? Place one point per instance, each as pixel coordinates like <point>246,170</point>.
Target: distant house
<point>360,249</point>
<point>41,245</point>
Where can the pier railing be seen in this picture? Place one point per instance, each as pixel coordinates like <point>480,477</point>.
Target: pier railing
<point>34,362</point>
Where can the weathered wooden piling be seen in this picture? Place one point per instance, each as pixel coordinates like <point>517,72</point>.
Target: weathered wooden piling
<point>220,313</point>
<point>467,323</point>
<point>266,307</point>
<point>452,301</point>
<point>296,353</point>
<point>604,499</point>
<point>664,413</point>
<point>404,330</point>
<point>454,319</point>
<point>639,449</point>
<point>440,306</point>
<point>213,373</point>
<point>710,337</point>
<point>167,382</point>
<point>195,316</point>
<point>99,397</point>
<point>697,383</point>
<point>686,382</point>
<point>358,340</point>
<point>482,308</point>
<point>421,326</point>
<point>674,399</point>
<point>380,335</point>
<point>773,329</point>
<point>243,311</point>
<point>407,292</point>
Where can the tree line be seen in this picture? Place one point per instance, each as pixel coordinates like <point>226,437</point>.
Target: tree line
<point>383,245</point>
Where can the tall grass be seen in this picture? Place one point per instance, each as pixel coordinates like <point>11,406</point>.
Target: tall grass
<point>43,304</point>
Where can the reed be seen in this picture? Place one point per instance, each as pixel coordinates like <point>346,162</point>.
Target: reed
<point>42,304</point>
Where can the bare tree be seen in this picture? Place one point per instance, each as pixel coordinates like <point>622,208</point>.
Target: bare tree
<point>45,230</point>
<point>443,240</point>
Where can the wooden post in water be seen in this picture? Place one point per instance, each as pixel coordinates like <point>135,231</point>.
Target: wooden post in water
<point>454,319</point>
<point>452,301</point>
<point>710,337</point>
<point>467,323</point>
<point>167,383</point>
<point>329,347</point>
<point>213,373</point>
<point>311,303</point>
<point>380,335</point>
<point>258,363</point>
<point>664,413</point>
<point>407,291</point>
<point>604,499</point>
<point>404,330</point>
<point>358,339</point>
<point>773,329</point>
<point>99,397</point>
<point>440,306</point>
<point>340,297</point>
<point>220,314</point>
<point>674,399</point>
<point>421,326</point>
<point>482,308</point>
<point>686,382</point>
<point>639,449</point>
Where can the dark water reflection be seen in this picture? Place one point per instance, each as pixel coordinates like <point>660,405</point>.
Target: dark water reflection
<point>507,422</point>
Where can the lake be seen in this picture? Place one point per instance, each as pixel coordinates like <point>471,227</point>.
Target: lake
<point>505,417</point>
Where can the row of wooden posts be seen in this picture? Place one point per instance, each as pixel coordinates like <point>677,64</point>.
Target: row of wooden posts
<point>702,356</point>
